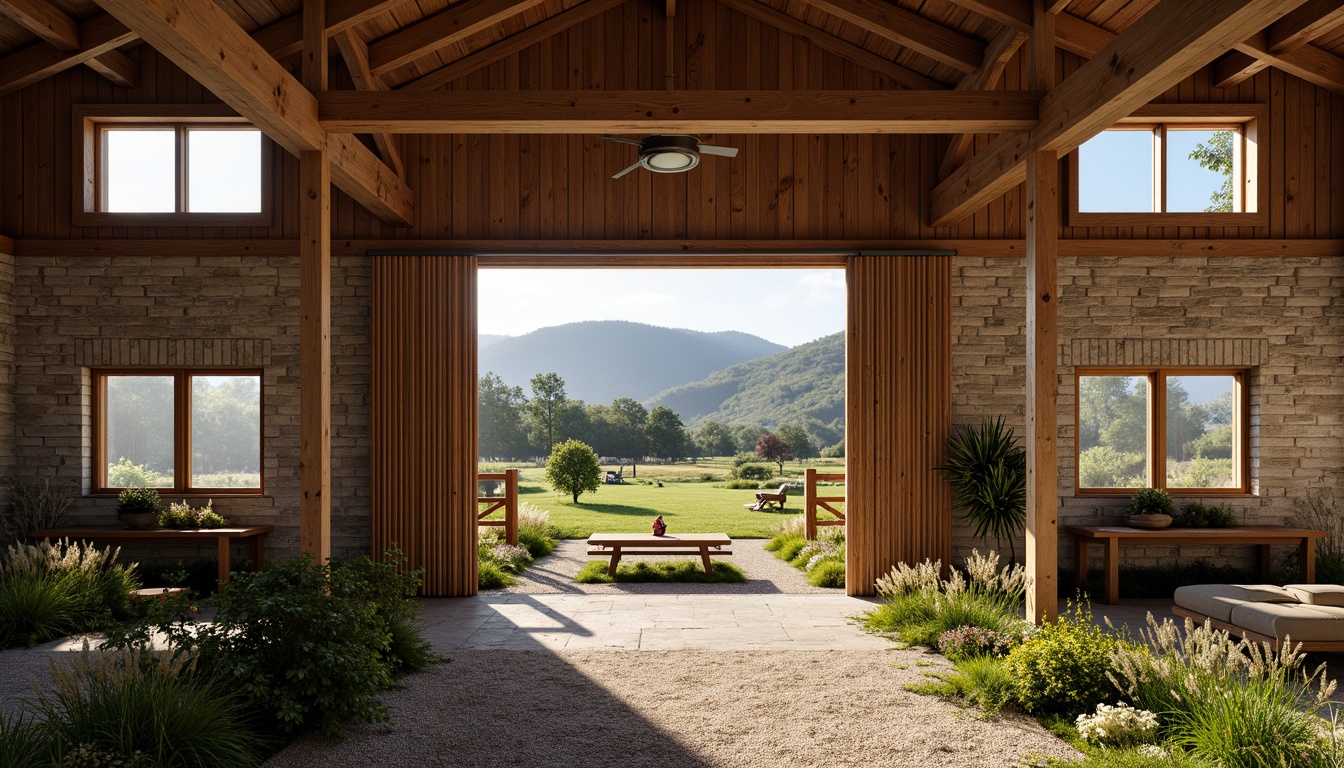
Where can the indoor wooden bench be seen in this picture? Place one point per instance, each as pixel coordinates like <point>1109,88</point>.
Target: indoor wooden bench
<point>618,545</point>
<point>252,536</point>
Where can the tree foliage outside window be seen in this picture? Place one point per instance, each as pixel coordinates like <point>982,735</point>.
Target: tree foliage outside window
<point>1217,155</point>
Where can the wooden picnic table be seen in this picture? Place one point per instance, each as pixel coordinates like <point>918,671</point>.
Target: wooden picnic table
<point>253,536</point>
<point>1262,536</point>
<point>619,544</point>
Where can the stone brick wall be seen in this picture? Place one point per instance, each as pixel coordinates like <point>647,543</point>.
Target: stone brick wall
<point>74,313</point>
<point>1284,317</point>
<point>6,371</point>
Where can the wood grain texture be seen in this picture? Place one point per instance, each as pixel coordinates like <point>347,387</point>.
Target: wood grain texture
<point>44,20</point>
<point>1042,415</point>
<point>37,62</point>
<point>908,29</point>
<point>423,416</point>
<point>315,355</point>
<point>899,407</point>
<point>446,28</point>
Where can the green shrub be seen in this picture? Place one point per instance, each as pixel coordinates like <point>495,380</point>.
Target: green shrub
<point>23,743</point>
<point>742,485</point>
<point>1063,667</point>
<point>305,644</point>
<point>130,704</point>
<point>789,548</point>
<point>1150,501</point>
<point>180,514</point>
<point>137,501</point>
<point>983,681</point>
<point>489,575</point>
<point>1196,515</point>
<point>125,474</point>
<point>775,544</point>
<point>537,545</point>
<point>753,472</point>
<point>919,606</point>
<point>52,590</point>
<point>827,573</point>
<point>36,505</point>
<point>686,571</point>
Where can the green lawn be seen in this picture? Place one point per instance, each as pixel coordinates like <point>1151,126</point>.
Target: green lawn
<point>687,502</point>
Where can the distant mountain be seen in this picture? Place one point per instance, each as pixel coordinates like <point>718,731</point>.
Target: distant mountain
<point>484,340</point>
<point>805,381</point>
<point>603,360</point>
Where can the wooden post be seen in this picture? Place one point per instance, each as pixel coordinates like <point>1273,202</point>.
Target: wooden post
<point>810,503</point>
<point>315,314</point>
<point>1042,385</point>
<point>511,506</point>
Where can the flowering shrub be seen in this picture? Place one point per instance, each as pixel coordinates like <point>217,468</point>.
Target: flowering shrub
<point>983,575</point>
<point>1118,726</point>
<point>969,642</point>
<point>180,514</point>
<point>510,558</point>
<point>1063,668</point>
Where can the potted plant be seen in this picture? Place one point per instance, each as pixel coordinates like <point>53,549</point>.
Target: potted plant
<point>1150,508</point>
<point>138,507</point>
<point>988,474</point>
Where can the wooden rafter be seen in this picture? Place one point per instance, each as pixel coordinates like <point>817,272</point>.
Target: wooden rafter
<point>206,44</point>
<point>1303,25</point>
<point>526,38</point>
<point>1166,45</point>
<point>893,23</point>
<point>828,42</point>
<point>100,35</point>
<point>57,29</point>
<point>443,29</point>
<point>678,111</point>
<point>1015,14</point>
<point>356,55</point>
<point>285,36</point>
<point>997,55</point>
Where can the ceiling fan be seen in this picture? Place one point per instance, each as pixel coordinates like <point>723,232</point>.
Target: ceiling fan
<point>670,153</point>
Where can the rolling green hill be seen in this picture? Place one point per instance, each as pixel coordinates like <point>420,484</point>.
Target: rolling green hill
<point>805,381</point>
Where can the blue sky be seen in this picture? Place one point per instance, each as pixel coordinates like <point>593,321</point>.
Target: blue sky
<point>1115,172</point>
<point>786,306</point>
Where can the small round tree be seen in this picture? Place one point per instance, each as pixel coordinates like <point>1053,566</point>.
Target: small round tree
<point>771,448</point>
<point>573,468</point>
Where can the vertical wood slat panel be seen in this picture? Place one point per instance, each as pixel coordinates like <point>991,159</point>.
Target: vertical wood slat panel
<point>423,409</point>
<point>898,414</point>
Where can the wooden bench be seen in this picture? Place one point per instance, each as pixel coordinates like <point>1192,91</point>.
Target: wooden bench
<point>617,545</point>
<point>1112,536</point>
<point>254,537</point>
<point>765,499</point>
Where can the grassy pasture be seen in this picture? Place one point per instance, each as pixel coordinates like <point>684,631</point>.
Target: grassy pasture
<point>690,500</point>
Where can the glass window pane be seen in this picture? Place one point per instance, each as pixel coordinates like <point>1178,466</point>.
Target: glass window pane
<point>1201,429</point>
<point>140,431</point>
<point>223,171</point>
<point>141,170</point>
<point>1113,431</point>
<point>1199,170</point>
<point>1115,172</point>
<point>226,431</point>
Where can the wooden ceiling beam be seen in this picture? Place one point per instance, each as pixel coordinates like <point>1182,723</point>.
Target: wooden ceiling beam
<point>1014,14</point>
<point>1303,25</point>
<point>899,26</point>
<point>1315,65</point>
<point>117,67</point>
<point>204,42</point>
<point>1234,67</point>
<point>478,60</point>
<point>828,42</point>
<point>589,112</point>
<point>443,29</point>
<point>98,36</point>
<point>1166,45</point>
<point>285,37</point>
<point>1001,49</point>
<point>62,32</point>
<point>356,55</point>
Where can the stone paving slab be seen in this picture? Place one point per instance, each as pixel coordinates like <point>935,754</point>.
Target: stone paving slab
<point>513,621</point>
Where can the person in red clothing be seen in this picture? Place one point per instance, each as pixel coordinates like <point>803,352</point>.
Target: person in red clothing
<point>659,527</point>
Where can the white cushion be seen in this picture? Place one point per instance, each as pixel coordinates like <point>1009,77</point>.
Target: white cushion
<point>1301,623</point>
<point>1318,594</point>
<point>1217,600</point>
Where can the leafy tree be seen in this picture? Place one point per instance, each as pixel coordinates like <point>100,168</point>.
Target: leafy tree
<point>572,468</point>
<point>799,442</point>
<point>1217,156</point>
<point>626,418</point>
<point>500,432</point>
<point>547,403</point>
<point>1185,421</point>
<point>1112,413</point>
<point>226,425</point>
<point>715,439</point>
<point>772,447</point>
<point>746,436</point>
<point>665,433</point>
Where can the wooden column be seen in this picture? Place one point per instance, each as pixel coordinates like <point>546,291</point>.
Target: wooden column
<point>423,398</point>
<point>315,313</point>
<point>1042,210</point>
<point>898,414</point>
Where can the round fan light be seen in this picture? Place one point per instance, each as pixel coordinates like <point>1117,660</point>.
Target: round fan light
<point>667,160</point>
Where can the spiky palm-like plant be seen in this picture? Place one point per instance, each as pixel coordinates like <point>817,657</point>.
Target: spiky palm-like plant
<point>988,473</point>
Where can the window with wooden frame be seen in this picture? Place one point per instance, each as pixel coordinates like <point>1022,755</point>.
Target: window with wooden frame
<point>179,165</point>
<point>181,430</point>
<point>1173,165</point>
<point>1181,429</point>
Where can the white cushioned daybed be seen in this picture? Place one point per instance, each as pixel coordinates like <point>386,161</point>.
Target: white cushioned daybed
<point>1310,614</point>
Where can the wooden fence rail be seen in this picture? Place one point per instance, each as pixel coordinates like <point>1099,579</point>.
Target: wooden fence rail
<point>812,502</point>
<point>488,505</point>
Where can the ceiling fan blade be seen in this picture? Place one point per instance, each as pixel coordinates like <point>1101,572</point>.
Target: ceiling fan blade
<point>710,149</point>
<point>623,141</point>
<point>627,170</point>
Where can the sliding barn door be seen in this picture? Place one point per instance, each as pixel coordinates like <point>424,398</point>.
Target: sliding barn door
<point>423,398</point>
<point>898,414</point>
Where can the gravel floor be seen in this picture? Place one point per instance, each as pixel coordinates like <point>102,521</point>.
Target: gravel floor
<point>766,574</point>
